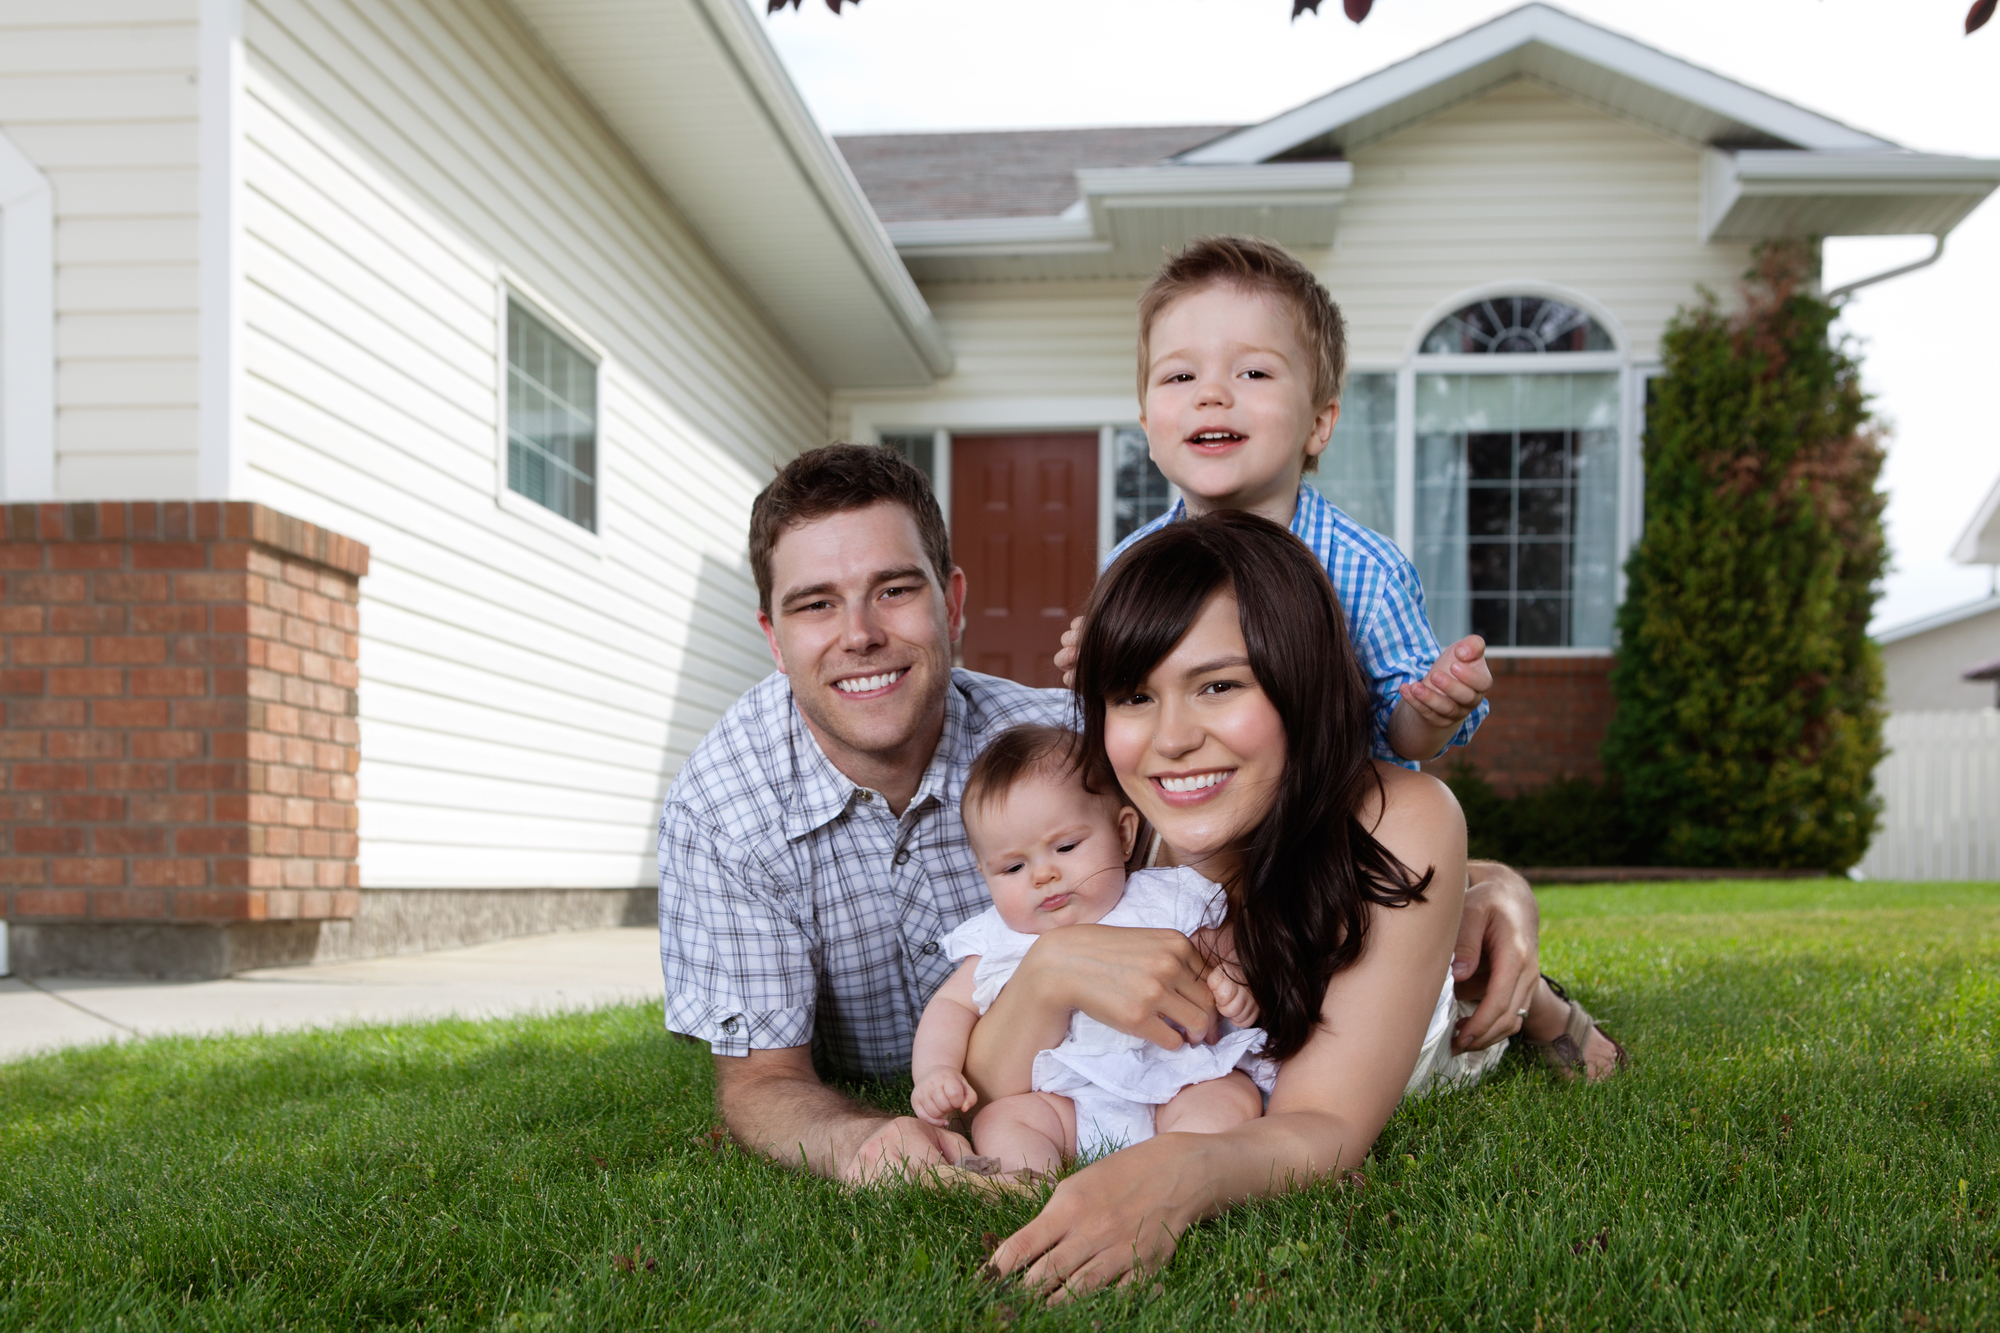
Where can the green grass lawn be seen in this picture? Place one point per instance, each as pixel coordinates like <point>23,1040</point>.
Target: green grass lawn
<point>1809,1139</point>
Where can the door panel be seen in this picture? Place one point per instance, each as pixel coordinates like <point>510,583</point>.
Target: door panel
<point>1024,526</point>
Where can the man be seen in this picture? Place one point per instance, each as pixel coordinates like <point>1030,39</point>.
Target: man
<point>811,854</point>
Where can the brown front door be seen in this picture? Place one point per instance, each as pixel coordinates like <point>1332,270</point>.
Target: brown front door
<point>1024,529</point>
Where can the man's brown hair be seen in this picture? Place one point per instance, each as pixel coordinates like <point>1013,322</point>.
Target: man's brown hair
<point>1260,266</point>
<point>1025,750</point>
<point>833,480</point>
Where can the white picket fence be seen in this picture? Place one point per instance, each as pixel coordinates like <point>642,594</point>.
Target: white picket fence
<point>1940,790</point>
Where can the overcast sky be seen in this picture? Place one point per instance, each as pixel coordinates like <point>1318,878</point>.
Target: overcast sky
<point>1898,68</point>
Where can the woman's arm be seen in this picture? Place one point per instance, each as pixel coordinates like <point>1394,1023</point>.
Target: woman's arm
<point>1137,981</point>
<point>1331,1101</point>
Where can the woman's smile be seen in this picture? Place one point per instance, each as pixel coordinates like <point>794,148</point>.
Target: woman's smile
<point>1185,789</point>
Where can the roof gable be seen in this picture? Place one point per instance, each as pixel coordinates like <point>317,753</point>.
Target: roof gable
<point>1622,76</point>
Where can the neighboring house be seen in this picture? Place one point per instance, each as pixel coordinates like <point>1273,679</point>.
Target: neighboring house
<point>383,388</point>
<point>1926,662</point>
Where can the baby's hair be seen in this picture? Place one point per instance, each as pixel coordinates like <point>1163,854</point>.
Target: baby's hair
<point>1025,750</point>
<point>1259,266</point>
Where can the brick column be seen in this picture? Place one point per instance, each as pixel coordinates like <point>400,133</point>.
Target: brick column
<point>181,741</point>
<point>1549,719</point>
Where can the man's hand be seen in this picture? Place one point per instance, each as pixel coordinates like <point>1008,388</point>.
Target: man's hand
<point>1066,655</point>
<point>1452,688</point>
<point>1497,959</point>
<point>938,1093</point>
<point>1233,999</point>
<point>902,1148</point>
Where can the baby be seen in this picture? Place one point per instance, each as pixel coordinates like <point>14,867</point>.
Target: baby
<point>1053,854</point>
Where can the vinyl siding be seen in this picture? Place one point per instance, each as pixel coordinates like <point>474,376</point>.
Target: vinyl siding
<point>101,96</point>
<point>528,691</point>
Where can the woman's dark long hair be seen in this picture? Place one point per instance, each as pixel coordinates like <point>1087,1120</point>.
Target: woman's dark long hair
<point>1310,871</point>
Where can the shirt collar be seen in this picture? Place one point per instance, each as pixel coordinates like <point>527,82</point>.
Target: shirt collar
<point>823,793</point>
<point>1307,508</point>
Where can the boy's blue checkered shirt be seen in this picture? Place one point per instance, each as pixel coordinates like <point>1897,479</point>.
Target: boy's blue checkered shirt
<point>1379,592</point>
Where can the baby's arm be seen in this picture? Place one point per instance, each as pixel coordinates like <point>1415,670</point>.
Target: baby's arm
<point>937,1056</point>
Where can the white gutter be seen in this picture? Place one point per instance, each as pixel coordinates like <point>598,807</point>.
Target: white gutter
<point>1848,288</point>
<point>828,174</point>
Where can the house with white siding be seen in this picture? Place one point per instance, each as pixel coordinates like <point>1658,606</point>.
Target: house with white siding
<point>384,385</point>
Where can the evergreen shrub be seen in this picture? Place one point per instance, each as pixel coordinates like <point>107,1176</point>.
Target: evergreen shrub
<point>1748,722</point>
<point>1567,822</point>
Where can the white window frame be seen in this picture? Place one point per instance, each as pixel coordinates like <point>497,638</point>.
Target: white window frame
<point>1632,406</point>
<point>509,286</point>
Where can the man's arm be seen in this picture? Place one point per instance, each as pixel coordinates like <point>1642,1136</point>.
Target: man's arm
<point>1498,955</point>
<point>774,1104</point>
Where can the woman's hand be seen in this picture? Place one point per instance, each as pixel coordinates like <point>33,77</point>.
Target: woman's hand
<point>1117,1219</point>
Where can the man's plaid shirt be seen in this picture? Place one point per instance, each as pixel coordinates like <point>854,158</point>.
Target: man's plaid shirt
<point>794,907</point>
<point>1380,595</point>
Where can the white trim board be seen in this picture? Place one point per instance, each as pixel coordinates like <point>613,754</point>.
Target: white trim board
<point>221,470</point>
<point>27,329</point>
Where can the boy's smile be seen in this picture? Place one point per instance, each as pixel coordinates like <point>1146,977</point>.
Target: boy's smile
<point>1229,413</point>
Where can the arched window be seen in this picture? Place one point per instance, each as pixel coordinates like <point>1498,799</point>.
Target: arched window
<point>1517,458</point>
<point>1503,325</point>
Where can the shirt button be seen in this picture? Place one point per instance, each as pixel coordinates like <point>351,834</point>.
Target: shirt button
<point>902,856</point>
<point>729,1025</point>
<point>930,947</point>
<point>867,796</point>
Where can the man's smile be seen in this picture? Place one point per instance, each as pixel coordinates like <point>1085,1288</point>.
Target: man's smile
<point>877,684</point>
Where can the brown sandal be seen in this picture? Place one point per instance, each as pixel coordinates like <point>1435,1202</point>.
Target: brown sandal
<point>1565,1053</point>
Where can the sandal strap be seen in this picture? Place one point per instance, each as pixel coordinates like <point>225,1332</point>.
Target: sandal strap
<point>1566,1051</point>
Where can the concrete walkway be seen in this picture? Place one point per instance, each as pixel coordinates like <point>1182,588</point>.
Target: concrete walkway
<point>582,970</point>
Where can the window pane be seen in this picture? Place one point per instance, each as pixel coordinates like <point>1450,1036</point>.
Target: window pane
<point>920,447</point>
<point>1143,494</point>
<point>1504,325</point>
<point>1517,492</point>
<point>1358,470</point>
<point>551,419</point>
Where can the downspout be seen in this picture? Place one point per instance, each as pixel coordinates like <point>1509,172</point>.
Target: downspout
<point>1936,253</point>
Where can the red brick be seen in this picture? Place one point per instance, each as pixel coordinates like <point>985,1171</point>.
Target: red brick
<point>90,809</point>
<point>172,619</point>
<point>21,619</point>
<point>86,745</point>
<point>20,744</point>
<point>281,905</point>
<point>315,904</point>
<point>130,588</point>
<point>169,682</point>
<point>170,873</point>
<point>50,777</point>
<point>17,870</point>
<point>48,587</point>
<point>19,555</point>
<point>125,840</point>
<point>228,840</point>
<point>211,777</point>
<point>48,650</point>
<point>210,714</point>
<point>87,555</point>
<point>48,841</point>
<point>169,555</point>
<point>209,587</point>
<point>128,649</point>
<point>34,805</point>
<point>128,905</point>
<point>346,901</point>
<point>87,619</point>
<point>97,682</point>
<point>187,809</point>
<point>212,649</point>
<point>129,777</point>
<point>167,745</point>
<point>144,519</point>
<point>212,905</point>
<point>50,902</point>
<point>47,713</point>
<point>95,871</point>
<point>18,682</point>
<point>129,713</point>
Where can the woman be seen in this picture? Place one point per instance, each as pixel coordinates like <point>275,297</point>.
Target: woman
<point>1220,693</point>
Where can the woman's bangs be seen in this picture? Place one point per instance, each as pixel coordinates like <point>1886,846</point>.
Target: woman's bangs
<point>1143,608</point>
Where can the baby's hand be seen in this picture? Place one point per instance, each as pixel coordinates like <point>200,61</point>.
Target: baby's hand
<point>1233,999</point>
<point>1066,655</point>
<point>940,1092</point>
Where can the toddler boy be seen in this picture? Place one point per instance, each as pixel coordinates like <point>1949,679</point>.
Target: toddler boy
<point>1241,354</point>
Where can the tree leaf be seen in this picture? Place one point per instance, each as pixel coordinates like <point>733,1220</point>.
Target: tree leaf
<point>1357,10</point>
<point>1975,18</point>
<point>1305,6</point>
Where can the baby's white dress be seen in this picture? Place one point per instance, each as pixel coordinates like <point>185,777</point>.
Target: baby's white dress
<point>1114,1079</point>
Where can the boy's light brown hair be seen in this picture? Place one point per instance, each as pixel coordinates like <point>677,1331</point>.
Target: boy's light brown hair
<point>1260,266</point>
<point>834,479</point>
<point>1025,750</point>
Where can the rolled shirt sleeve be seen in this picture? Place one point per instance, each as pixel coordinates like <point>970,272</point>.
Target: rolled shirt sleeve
<point>1397,648</point>
<point>737,959</point>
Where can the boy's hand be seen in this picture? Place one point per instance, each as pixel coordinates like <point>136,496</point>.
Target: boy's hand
<point>1066,655</point>
<point>1233,999</point>
<point>1453,686</point>
<point>939,1093</point>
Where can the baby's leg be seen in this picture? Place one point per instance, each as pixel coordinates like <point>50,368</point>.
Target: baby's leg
<point>1211,1107</point>
<point>1034,1130</point>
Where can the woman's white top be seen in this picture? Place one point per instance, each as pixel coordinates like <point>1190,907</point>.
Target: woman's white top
<point>1102,1057</point>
